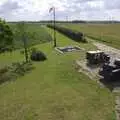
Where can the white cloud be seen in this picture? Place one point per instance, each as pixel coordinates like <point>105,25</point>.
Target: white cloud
<point>115,4</point>
<point>96,4</point>
<point>8,7</point>
<point>13,10</point>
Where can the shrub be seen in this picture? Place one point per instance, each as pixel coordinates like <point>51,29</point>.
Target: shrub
<point>14,71</point>
<point>21,68</point>
<point>38,56</point>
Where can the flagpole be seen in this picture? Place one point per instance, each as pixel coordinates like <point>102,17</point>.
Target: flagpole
<point>54,28</point>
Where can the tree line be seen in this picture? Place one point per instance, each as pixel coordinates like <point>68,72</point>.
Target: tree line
<point>68,21</point>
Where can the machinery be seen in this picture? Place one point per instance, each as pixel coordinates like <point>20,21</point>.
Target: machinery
<point>111,72</point>
<point>97,57</point>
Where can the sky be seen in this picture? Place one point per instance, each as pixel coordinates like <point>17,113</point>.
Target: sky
<point>35,10</point>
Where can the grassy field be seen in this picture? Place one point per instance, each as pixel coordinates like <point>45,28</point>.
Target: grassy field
<point>107,33</point>
<point>55,90</point>
<point>36,34</point>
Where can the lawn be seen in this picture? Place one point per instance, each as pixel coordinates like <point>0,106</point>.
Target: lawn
<point>55,90</point>
<point>107,33</point>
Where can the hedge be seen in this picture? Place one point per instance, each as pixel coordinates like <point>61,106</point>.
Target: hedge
<point>77,36</point>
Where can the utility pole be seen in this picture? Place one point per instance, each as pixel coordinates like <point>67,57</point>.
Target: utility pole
<point>53,10</point>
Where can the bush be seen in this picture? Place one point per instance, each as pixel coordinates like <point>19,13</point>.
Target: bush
<point>38,56</point>
<point>14,71</point>
<point>21,68</point>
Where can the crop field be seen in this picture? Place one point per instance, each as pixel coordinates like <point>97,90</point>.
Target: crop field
<point>107,33</point>
<point>54,90</point>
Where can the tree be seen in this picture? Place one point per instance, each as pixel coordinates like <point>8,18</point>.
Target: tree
<point>6,35</point>
<point>21,29</point>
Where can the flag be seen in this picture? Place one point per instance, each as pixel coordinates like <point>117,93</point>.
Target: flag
<point>51,9</point>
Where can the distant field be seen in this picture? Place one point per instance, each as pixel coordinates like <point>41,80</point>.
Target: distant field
<point>107,33</point>
<point>36,35</point>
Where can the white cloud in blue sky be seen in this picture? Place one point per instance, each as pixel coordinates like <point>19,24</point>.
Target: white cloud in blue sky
<point>15,10</point>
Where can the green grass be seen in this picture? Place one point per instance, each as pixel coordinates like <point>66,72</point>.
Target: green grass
<point>36,34</point>
<point>55,90</point>
<point>107,33</point>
